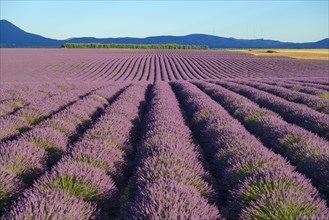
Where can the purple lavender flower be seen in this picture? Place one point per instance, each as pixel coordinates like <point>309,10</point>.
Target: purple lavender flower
<point>23,158</point>
<point>32,115</point>
<point>304,149</point>
<point>314,102</point>
<point>239,155</point>
<point>99,154</point>
<point>176,162</point>
<point>12,125</point>
<point>73,116</point>
<point>53,141</point>
<point>291,112</point>
<point>10,186</point>
<point>169,172</point>
<point>80,180</point>
<point>62,126</point>
<point>264,183</point>
<point>51,204</point>
<point>168,199</point>
<point>284,204</point>
<point>4,109</point>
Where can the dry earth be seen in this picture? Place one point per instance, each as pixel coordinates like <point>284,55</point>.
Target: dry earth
<point>316,54</point>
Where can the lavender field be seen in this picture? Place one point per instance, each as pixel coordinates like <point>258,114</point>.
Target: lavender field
<point>162,134</point>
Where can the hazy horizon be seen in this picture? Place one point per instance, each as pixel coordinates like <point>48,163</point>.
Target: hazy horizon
<point>289,21</point>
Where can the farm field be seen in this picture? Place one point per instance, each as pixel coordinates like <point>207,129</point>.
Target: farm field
<point>314,54</point>
<point>148,65</point>
<point>162,134</point>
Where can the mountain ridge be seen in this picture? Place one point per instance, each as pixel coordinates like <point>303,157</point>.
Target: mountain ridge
<point>13,36</point>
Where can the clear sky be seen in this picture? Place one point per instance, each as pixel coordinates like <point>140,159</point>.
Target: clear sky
<point>295,21</point>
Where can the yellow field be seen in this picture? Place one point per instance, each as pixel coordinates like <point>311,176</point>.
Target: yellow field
<point>315,54</point>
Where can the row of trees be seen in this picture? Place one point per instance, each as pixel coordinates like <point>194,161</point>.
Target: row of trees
<point>136,46</point>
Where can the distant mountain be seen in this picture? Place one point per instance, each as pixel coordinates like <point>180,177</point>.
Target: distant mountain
<point>12,36</point>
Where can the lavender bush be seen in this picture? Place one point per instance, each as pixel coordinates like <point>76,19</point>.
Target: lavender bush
<point>36,205</point>
<point>10,186</point>
<point>23,158</point>
<point>87,137</point>
<point>80,180</point>
<point>237,155</point>
<point>54,142</point>
<point>86,171</point>
<point>304,149</point>
<point>315,103</point>
<point>164,178</point>
<point>99,154</point>
<point>291,112</point>
<point>47,139</point>
<point>168,199</point>
<point>295,86</point>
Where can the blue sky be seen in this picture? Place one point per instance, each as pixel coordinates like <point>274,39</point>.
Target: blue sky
<point>297,21</point>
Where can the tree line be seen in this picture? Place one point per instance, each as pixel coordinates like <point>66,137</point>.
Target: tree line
<point>136,46</point>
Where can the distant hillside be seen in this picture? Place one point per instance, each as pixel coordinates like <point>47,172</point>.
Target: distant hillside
<point>12,36</point>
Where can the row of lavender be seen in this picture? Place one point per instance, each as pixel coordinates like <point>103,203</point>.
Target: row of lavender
<point>292,112</point>
<point>86,177</point>
<point>305,150</point>
<point>17,95</point>
<point>167,66</point>
<point>170,181</point>
<point>317,102</point>
<point>254,188</point>
<point>149,65</point>
<point>314,80</point>
<point>314,85</point>
<point>312,89</point>
<point>173,177</point>
<point>40,109</point>
<point>24,159</point>
<point>255,182</point>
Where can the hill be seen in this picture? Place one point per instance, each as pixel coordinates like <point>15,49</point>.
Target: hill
<point>13,36</point>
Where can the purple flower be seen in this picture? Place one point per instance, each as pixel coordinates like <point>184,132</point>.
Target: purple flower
<point>264,183</point>
<point>291,112</point>
<point>304,149</point>
<point>176,162</point>
<point>80,180</point>
<point>169,171</point>
<point>169,199</point>
<point>284,204</point>
<point>10,186</point>
<point>239,156</point>
<point>99,154</point>
<point>23,158</point>
<point>51,204</point>
<point>12,125</point>
<point>53,141</point>
<point>62,126</point>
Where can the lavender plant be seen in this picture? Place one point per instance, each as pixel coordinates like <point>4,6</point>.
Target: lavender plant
<point>291,112</point>
<point>168,199</point>
<point>163,177</point>
<point>80,180</point>
<point>238,155</point>
<point>304,149</point>
<point>24,159</point>
<point>313,102</point>
<point>10,186</point>
<point>35,205</point>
